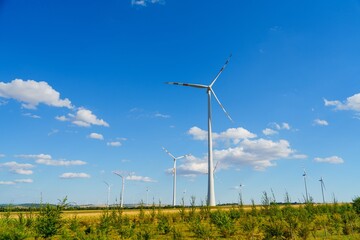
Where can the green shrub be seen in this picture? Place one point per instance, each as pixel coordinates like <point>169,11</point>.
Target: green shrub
<point>356,204</point>
<point>223,222</point>
<point>49,220</point>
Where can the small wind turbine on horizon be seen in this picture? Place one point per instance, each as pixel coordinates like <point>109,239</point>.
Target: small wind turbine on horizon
<point>174,172</point>
<point>306,191</point>
<point>108,194</point>
<point>322,188</point>
<point>240,194</point>
<point>122,175</point>
<point>211,189</point>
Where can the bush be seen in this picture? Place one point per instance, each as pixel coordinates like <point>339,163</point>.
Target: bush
<point>356,204</point>
<point>49,221</point>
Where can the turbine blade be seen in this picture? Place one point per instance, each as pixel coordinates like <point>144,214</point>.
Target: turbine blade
<point>221,70</point>
<point>106,183</point>
<point>184,156</point>
<point>216,165</point>
<point>221,105</point>
<point>172,156</point>
<point>188,84</point>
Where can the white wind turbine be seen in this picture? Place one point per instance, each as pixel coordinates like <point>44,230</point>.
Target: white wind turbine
<point>122,175</point>
<point>322,188</point>
<point>108,195</point>
<point>209,91</point>
<point>306,192</point>
<point>174,173</point>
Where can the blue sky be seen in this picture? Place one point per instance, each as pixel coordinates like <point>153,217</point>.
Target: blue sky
<point>82,94</point>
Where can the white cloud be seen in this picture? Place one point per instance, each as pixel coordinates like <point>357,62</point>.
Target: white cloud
<point>31,93</point>
<point>160,115</point>
<point>31,115</point>
<point>269,131</point>
<point>96,136</point>
<point>332,160</point>
<point>191,166</point>
<point>18,168</point>
<point>198,133</point>
<point>144,3</point>
<point>139,178</point>
<point>233,134</point>
<point>114,144</point>
<point>83,118</point>
<point>62,118</point>
<point>351,103</point>
<point>46,159</point>
<point>27,180</point>
<point>7,183</point>
<point>282,126</point>
<point>257,153</point>
<point>74,175</point>
<point>2,155</point>
<point>51,162</point>
<point>320,122</point>
<point>54,131</point>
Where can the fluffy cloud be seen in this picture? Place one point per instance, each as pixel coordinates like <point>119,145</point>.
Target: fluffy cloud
<point>2,155</point>
<point>31,93</point>
<point>332,160</point>
<point>248,151</point>
<point>269,131</point>
<point>139,178</point>
<point>96,136</point>
<point>114,144</point>
<point>320,122</point>
<point>83,118</point>
<point>351,103</point>
<point>18,168</point>
<point>74,175</point>
<point>233,134</point>
<point>46,159</point>
<point>144,3</point>
<point>191,166</point>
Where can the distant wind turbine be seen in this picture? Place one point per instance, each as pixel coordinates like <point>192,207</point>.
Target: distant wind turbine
<point>322,188</point>
<point>211,189</point>
<point>174,172</point>
<point>122,187</point>
<point>108,195</point>
<point>240,194</point>
<point>306,191</point>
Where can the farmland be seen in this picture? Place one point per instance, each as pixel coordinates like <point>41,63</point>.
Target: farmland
<point>273,221</point>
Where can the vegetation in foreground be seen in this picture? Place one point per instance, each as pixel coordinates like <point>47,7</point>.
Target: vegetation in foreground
<point>271,221</point>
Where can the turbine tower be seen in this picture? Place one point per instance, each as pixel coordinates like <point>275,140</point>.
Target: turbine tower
<point>122,187</point>
<point>211,190</point>
<point>322,188</point>
<point>174,173</point>
<point>108,195</point>
<point>306,192</point>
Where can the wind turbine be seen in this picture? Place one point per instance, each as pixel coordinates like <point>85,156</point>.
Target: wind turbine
<point>211,190</point>
<point>122,187</point>
<point>174,172</point>
<point>240,194</point>
<point>306,192</point>
<point>322,188</point>
<point>108,195</point>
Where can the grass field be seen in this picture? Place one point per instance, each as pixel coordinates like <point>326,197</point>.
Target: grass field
<point>307,221</point>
